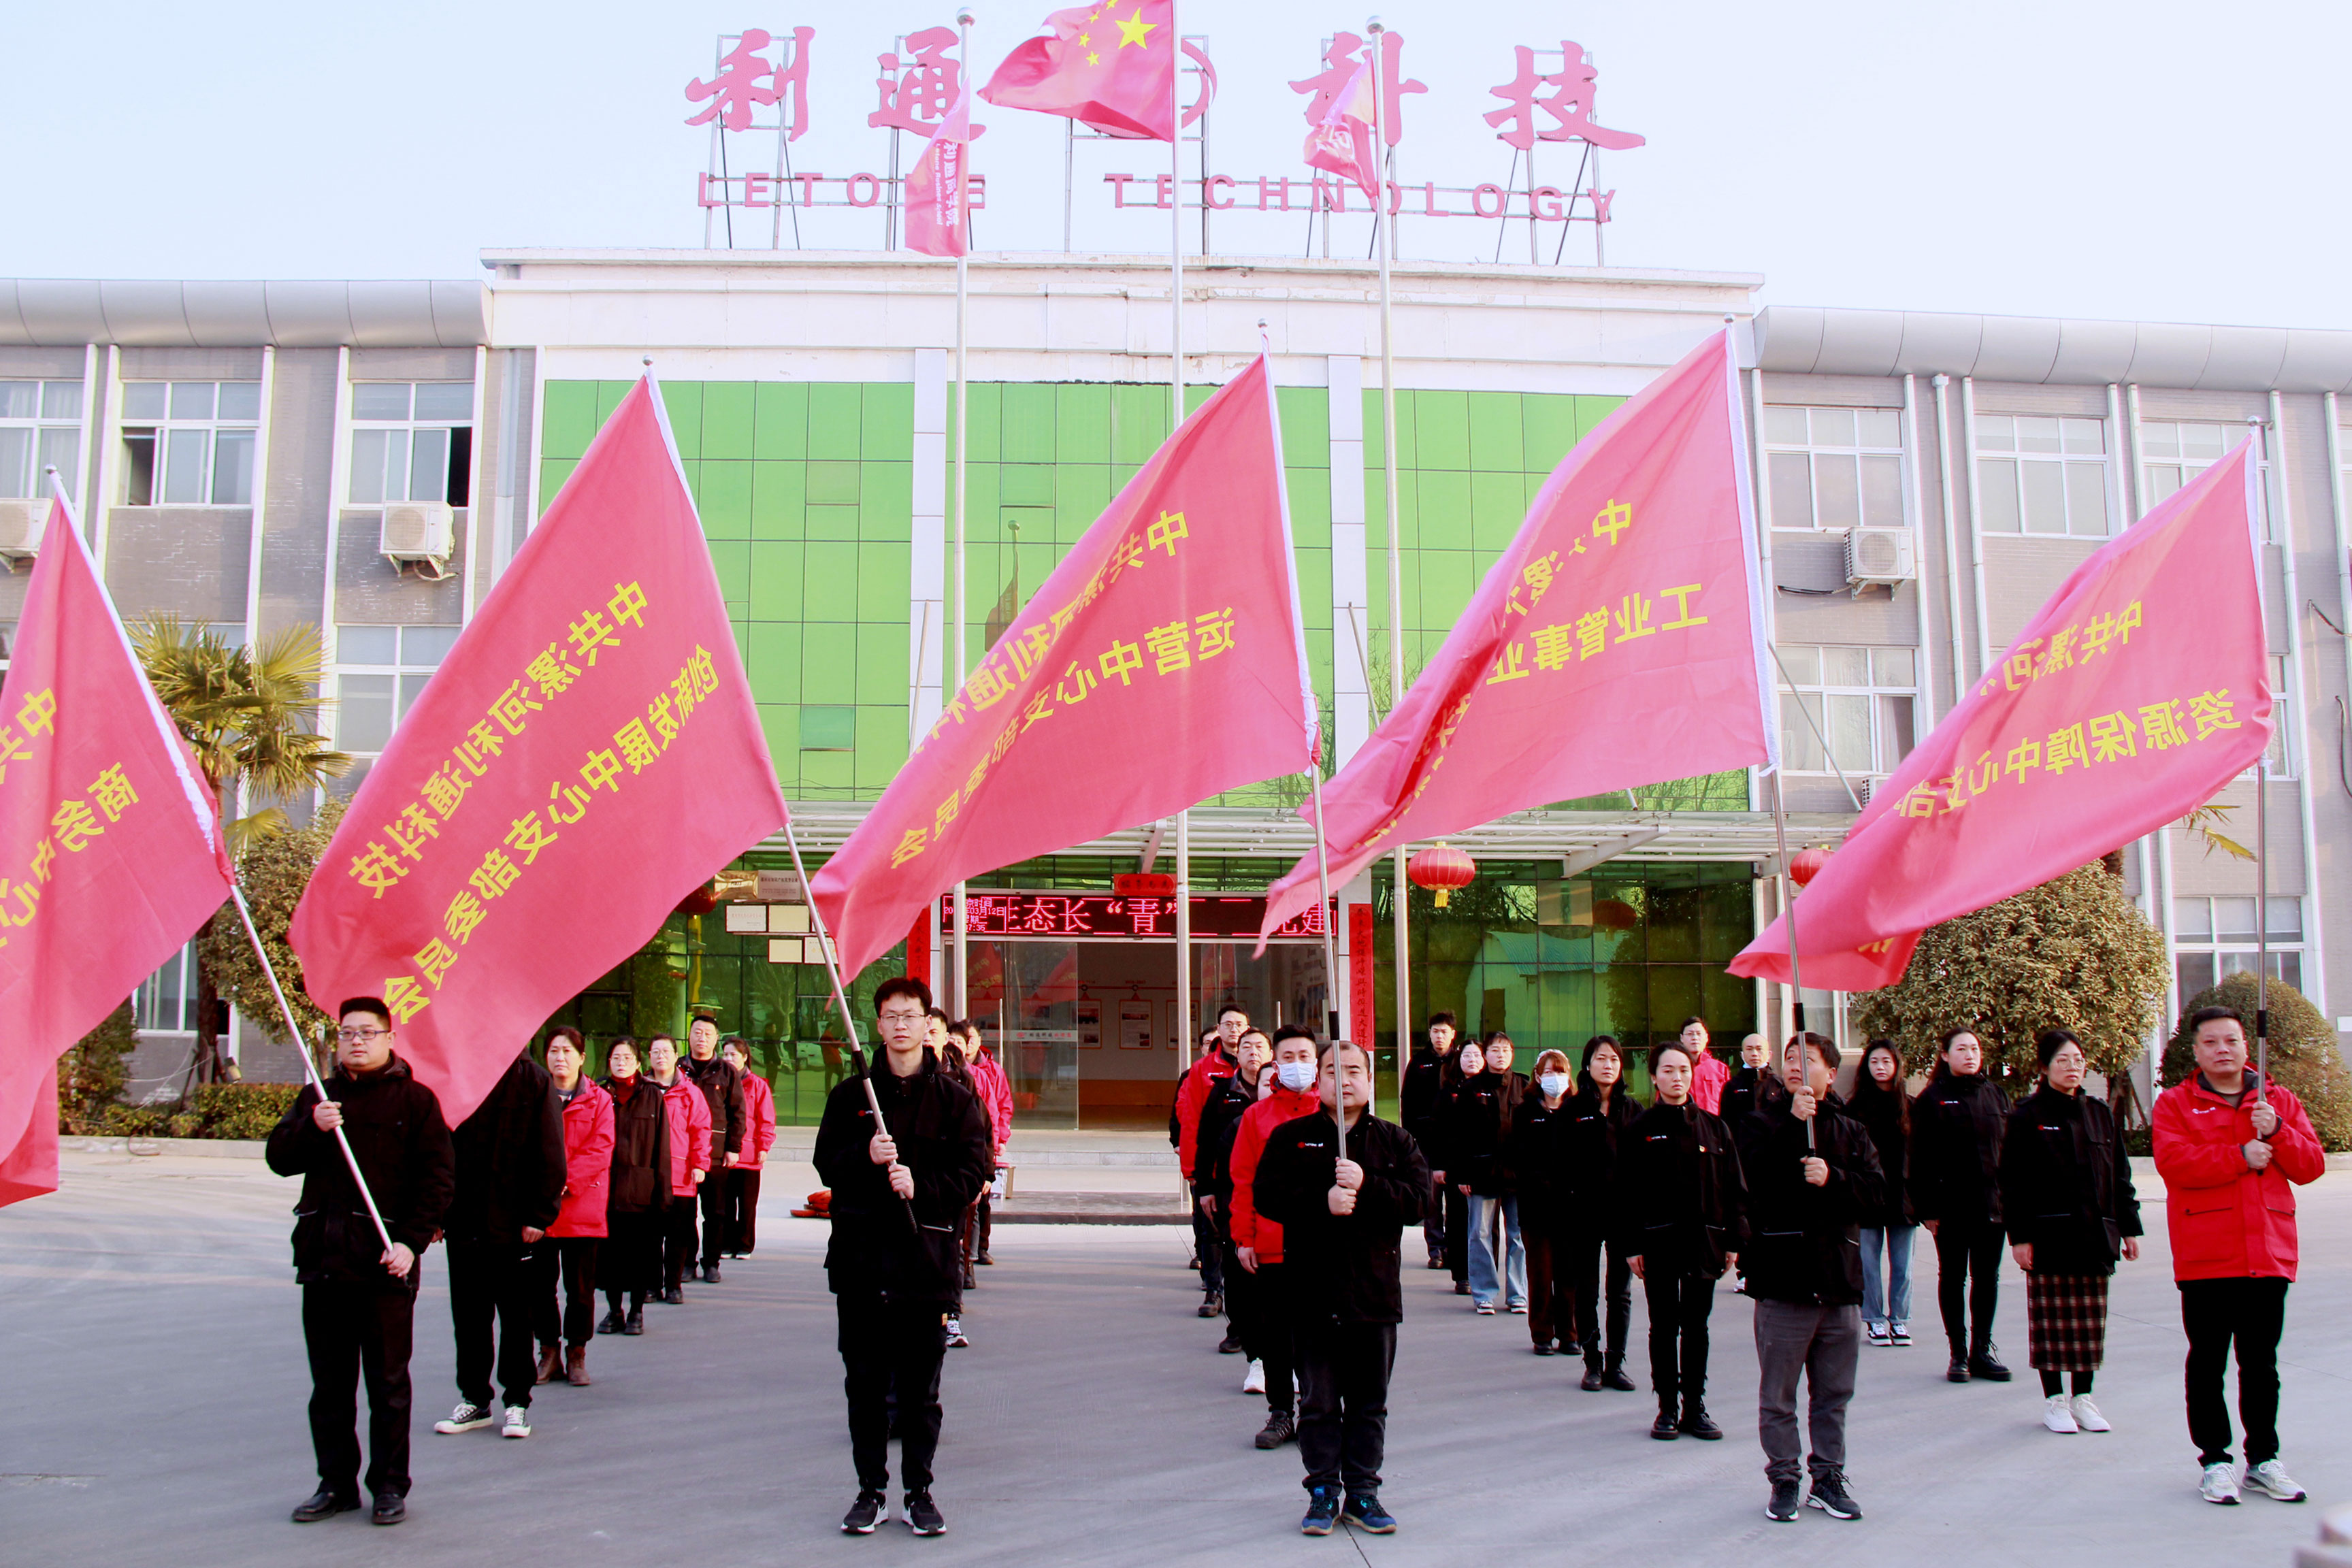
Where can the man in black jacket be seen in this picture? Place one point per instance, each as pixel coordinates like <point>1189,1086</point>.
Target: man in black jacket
<point>721,1083</point>
<point>1341,1220</point>
<point>1810,1173</point>
<point>1416,1111</point>
<point>510,1171</point>
<point>899,1192</point>
<point>359,1297</point>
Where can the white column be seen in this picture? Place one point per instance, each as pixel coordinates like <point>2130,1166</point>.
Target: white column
<point>1350,603</point>
<point>260,503</point>
<point>927,626</point>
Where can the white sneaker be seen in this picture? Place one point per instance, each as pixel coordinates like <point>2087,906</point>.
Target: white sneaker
<point>2057,1416</point>
<point>517,1422</point>
<point>1878,1332</point>
<point>2219,1484</point>
<point>1254,1381</point>
<point>2271,1479</point>
<point>465,1418</point>
<point>956,1340</point>
<point>2087,1416</point>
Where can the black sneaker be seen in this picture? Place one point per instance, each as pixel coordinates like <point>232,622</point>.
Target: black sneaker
<point>614,1324</point>
<point>1322,1510</point>
<point>1696,1423</point>
<point>710,1274</point>
<point>1230,1345</point>
<point>1666,1428</point>
<point>1831,1497</point>
<point>674,1296</point>
<point>1782,1508</point>
<point>1281,1427</point>
<point>1592,1384</point>
<point>327,1502</point>
<point>864,1514</point>
<point>1212,1304</point>
<point>1574,1346</point>
<point>922,1515</point>
<point>1544,1347</point>
<point>1987,1365</point>
<point>391,1507</point>
<point>468,1416</point>
<point>1364,1512</point>
<point>1959,1371</point>
<point>1461,1287</point>
<point>636,1323</point>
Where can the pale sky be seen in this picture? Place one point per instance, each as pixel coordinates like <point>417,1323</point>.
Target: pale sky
<point>2150,160</point>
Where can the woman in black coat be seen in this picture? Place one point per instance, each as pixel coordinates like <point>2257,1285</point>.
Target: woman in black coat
<point>1882,1106</point>
<point>1539,1155</point>
<point>1477,1122</point>
<point>2066,1187</point>
<point>1955,1186</point>
<point>639,1189</point>
<point>1599,1117</point>
<point>1459,1075</point>
<point>1681,1212</point>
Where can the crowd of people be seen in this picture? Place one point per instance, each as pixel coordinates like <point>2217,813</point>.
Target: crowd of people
<point>1543,1196</point>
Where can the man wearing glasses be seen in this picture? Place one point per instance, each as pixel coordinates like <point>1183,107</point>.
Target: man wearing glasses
<point>359,1297</point>
<point>899,1192</point>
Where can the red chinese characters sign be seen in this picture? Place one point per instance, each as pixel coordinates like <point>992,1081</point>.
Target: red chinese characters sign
<point>1114,916</point>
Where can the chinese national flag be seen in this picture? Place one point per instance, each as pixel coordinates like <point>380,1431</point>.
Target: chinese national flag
<point>1343,143</point>
<point>1161,662</point>
<point>1616,643</point>
<point>2139,689</point>
<point>939,197</point>
<point>586,756</point>
<point>1115,72</point>
<point>110,852</point>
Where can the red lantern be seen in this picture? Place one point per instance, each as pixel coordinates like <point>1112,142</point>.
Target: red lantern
<point>1442,869</point>
<point>1806,863</point>
<point>700,901</point>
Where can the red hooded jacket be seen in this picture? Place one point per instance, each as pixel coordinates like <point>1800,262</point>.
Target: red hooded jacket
<point>1708,1077</point>
<point>587,1162</point>
<point>1249,1227</point>
<point>1190,1097</point>
<point>2228,1220</point>
<point>689,1133</point>
<point>760,1124</point>
<point>995,1091</point>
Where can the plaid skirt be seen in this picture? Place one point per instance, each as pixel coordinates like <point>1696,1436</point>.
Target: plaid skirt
<point>2066,1322</point>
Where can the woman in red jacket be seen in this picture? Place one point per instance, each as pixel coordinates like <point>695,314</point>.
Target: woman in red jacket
<point>743,1211</point>
<point>568,1251</point>
<point>2232,1150</point>
<point>688,1111</point>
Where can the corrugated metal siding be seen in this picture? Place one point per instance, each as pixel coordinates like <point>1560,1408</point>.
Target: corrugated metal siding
<point>301,460</point>
<point>48,364</point>
<point>191,364</point>
<point>184,561</point>
<point>1833,391</point>
<point>2016,397</point>
<point>412,364</point>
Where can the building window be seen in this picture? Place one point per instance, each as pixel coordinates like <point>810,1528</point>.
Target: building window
<point>2174,452</point>
<point>166,1000</point>
<point>379,671</point>
<point>828,729</point>
<point>411,440</point>
<point>1860,699</point>
<point>40,425</point>
<point>2214,937</point>
<point>2038,474</point>
<point>1834,468</point>
<point>189,443</point>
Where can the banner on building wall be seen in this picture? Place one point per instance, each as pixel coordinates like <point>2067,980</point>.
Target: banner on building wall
<point>1162,662</point>
<point>588,753</point>
<point>111,854</point>
<point>1619,641</point>
<point>2136,693</point>
<point>1364,998</point>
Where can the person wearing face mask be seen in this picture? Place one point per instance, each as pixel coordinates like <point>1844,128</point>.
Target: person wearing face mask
<point>638,1193</point>
<point>1681,1213</point>
<point>1538,1152</point>
<point>1955,1185</point>
<point>1461,1075</point>
<point>1599,1118</point>
<point>1481,1115</point>
<point>689,1161</point>
<point>1221,1116</point>
<point>1709,1074</point>
<point>1418,1093</point>
<point>1882,1106</point>
<point>2066,1188</point>
<point>1752,1084</point>
<point>1286,1092</point>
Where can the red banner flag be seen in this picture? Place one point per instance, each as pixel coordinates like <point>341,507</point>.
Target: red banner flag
<point>2139,689</point>
<point>939,197</point>
<point>1616,643</point>
<point>1161,662</point>
<point>1115,73</point>
<point>110,852</point>
<point>1343,141</point>
<point>593,716</point>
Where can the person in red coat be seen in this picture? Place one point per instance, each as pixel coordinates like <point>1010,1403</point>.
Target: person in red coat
<point>688,1111</point>
<point>1216,1061</point>
<point>1257,1240</point>
<point>567,1253</point>
<point>994,1089</point>
<point>1709,1072</point>
<point>741,1214</point>
<point>2232,1150</point>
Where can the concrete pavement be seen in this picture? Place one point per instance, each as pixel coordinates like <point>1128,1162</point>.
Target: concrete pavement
<point>155,1379</point>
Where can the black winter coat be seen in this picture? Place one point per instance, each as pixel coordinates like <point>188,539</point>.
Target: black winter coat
<point>944,1141</point>
<point>640,1149</point>
<point>397,1133</point>
<point>1681,1201</point>
<point>1749,1087</point>
<point>1881,1116</point>
<point>1956,1130</point>
<point>721,1083</point>
<point>1342,1268</point>
<point>1417,1096</point>
<point>1565,1162</point>
<point>509,1159</point>
<point>2066,1183</point>
<point>1471,1131</point>
<point>1804,1243</point>
<point>1221,1121</point>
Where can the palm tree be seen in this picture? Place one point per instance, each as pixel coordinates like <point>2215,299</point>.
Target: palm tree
<point>249,713</point>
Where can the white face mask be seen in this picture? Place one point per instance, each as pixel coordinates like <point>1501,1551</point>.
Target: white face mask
<point>1297,1077</point>
<point>1553,1084</point>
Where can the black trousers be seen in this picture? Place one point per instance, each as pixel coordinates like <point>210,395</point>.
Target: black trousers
<point>1967,1281</point>
<point>2219,1314</point>
<point>1552,1287</point>
<point>1458,1233</point>
<point>353,1332</point>
<point>568,1262</point>
<point>1208,1245</point>
<point>1679,1306</point>
<point>1267,1336</point>
<point>714,1199</point>
<point>492,1298</point>
<point>885,1345</point>
<point>982,1223</point>
<point>742,1212</point>
<point>1343,1417</point>
<point>1432,1224</point>
<point>630,1260</point>
<point>1584,1247</point>
<point>677,1241</point>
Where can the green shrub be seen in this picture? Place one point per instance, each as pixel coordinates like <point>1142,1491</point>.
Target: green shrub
<point>241,1109</point>
<point>2304,1058</point>
<point>93,1073</point>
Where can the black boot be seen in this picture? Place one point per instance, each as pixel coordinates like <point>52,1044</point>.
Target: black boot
<point>1984,1363</point>
<point>1958,1372</point>
<point>1592,1384</point>
<point>1612,1376</point>
<point>1668,1425</point>
<point>1696,1423</point>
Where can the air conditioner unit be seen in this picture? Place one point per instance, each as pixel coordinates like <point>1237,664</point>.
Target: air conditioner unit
<point>1879,555</point>
<point>21,522</point>
<point>419,530</point>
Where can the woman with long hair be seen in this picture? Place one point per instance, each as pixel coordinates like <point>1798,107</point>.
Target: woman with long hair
<point>1456,1076</point>
<point>566,1255</point>
<point>637,1194</point>
<point>1599,1117</point>
<point>1883,1105</point>
<point>1537,1153</point>
<point>1955,1188</point>
<point>1481,1116</point>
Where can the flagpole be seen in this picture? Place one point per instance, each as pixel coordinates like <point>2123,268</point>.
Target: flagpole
<point>1331,974</point>
<point>2262,929</point>
<point>964,242</point>
<point>1381,225</point>
<point>1192,1035</point>
<point>1789,914</point>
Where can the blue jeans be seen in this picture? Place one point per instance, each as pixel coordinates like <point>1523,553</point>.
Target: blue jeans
<point>1880,1304</point>
<point>1483,1281</point>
